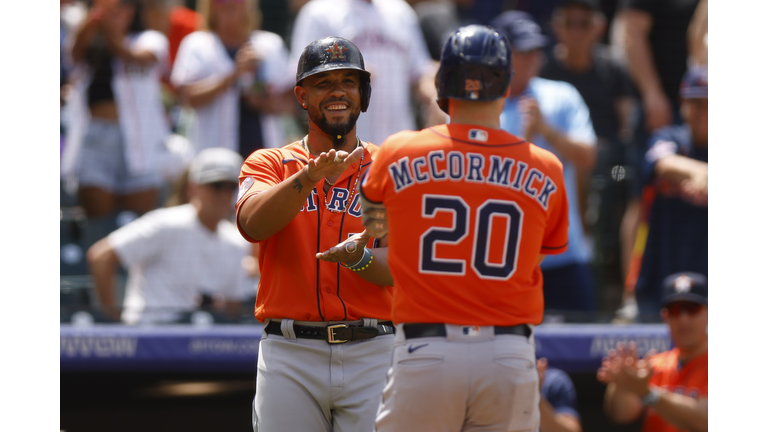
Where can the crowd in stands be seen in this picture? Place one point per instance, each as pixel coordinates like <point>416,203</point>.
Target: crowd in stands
<point>161,100</point>
<point>616,89</point>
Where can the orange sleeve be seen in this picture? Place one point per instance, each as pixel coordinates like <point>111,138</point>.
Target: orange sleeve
<point>555,239</point>
<point>375,180</point>
<point>262,170</point>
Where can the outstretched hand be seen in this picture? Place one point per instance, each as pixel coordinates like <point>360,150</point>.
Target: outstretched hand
<point>623,368</point>
<point>332,163</point>
<point>349,251</point>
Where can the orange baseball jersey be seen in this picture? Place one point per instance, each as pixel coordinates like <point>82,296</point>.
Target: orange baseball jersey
<point>690,379</point>
<point>470,209</point>
<point>294,284</point>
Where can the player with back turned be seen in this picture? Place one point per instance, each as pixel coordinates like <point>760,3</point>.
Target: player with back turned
<point>327,339</point>
<point>469,211</point>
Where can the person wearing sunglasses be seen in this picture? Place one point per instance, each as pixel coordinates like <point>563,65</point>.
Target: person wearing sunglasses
<point>178,255</point>
<point>670,387</point>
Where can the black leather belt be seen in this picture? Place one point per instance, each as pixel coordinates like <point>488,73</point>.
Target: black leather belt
<point>334,333</point>
<point>419,330</point>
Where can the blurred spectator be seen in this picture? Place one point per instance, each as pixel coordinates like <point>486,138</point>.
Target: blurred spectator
<point>116,127</point>
<point>675,172</point>
<point>557,405</point>
<point>670,387</point>
<point>698,34</point>
<point>179,194</point>
<point>579,59</point>
<point>387,33</point>
<point>235,78</point>
<point>651,36</point>
<point>552,115</point>
<point>177,255</point>
<point>654,35</point>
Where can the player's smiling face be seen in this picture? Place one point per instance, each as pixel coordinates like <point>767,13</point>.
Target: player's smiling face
<point>333,100</point>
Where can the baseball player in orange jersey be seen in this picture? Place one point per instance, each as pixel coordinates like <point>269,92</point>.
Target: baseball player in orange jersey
<point>469,210</point>
<point>327,339</point>
<point>669,389</point>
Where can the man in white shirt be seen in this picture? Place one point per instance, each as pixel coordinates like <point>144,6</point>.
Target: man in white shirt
<point>230,69</point>
<point>177,255</point>
<point>388,34</point>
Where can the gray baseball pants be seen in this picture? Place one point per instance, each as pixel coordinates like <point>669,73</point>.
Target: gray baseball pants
<point>308,385</point>
<point>469,380</point>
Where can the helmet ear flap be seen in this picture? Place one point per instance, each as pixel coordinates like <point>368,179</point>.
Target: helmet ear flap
<point>365,92</point>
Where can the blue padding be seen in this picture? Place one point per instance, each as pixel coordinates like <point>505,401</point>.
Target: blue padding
<point>234,348</point>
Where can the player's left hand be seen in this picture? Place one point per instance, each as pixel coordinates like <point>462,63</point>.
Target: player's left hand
<point>332,163</point>
<point>349,251</point>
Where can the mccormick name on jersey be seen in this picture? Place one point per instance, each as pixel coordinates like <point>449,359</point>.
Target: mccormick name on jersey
<point>471,168</point>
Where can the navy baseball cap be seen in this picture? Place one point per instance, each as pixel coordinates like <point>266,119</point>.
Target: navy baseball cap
<point>684,286</point>
<point>521,30</point>
<point>695,84</point>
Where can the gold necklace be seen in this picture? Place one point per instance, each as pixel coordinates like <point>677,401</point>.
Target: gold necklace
<point>330,189</point>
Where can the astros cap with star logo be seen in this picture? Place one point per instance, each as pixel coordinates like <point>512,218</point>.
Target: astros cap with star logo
<point>685,286</point>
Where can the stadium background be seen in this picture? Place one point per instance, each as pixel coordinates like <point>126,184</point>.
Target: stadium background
<point>216,400</point>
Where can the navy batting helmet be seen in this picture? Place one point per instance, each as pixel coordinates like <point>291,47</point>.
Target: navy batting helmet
<point>476,64</point>
<point>332,53</point>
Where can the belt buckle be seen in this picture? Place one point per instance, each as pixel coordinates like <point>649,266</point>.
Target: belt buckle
<point>332,334</point>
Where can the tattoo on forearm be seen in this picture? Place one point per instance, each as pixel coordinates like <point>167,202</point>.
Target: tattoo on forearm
<point>297,185</point>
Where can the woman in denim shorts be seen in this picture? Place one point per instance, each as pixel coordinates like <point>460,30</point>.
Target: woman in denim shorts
<point>118,121</point>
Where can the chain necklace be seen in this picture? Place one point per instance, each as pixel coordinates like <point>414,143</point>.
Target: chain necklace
<point>330,189</point>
